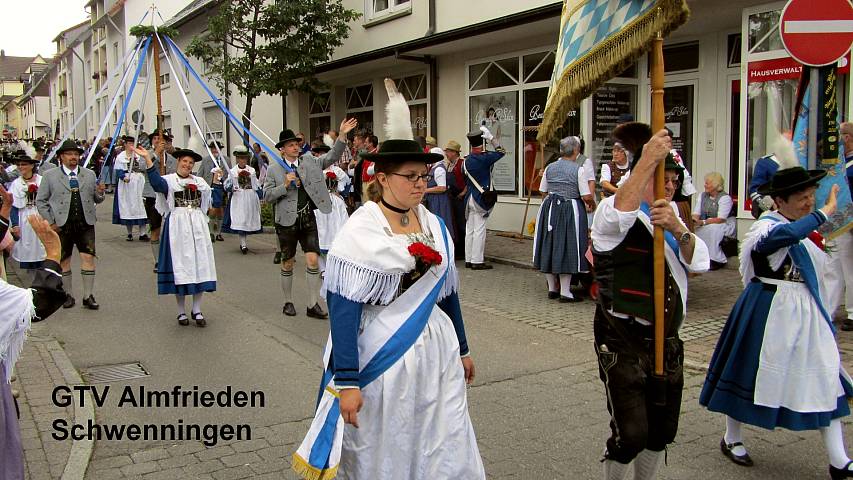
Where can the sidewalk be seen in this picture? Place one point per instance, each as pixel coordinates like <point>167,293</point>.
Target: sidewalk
<point>710,299</point>
<point>42,366</point>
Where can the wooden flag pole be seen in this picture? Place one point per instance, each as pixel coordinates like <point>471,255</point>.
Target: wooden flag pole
<point>656,72</point>
<point>155,57</point>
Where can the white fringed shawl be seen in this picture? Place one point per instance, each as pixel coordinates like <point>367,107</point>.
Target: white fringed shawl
<point>367,261</point>
<point>16,314</point>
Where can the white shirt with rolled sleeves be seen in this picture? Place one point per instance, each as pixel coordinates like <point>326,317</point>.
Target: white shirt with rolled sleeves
<point>610,226</point>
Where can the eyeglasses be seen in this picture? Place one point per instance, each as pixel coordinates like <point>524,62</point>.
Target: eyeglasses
<point>414,177</point>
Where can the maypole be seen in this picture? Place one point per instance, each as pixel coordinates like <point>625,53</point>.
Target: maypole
<point>656,74</point>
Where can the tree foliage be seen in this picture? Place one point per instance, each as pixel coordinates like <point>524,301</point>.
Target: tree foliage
<point>272,46</point>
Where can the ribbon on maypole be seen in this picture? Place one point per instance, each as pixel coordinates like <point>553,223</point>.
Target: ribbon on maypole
<point>598,40</point>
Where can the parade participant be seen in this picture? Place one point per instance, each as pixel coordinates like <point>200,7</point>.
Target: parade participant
<point>615,170</point>
<point>128,203</point>
<point>437,197</point>
<point>457,193</point>
<point>480,197</point>
<point>562,238</point>
<point>18,308</point>
<point>622,246</point>
<point>329,224</point>
<point>683,194</point>
<point>28,250</point>
<point>371,145</point>
<point>765,168</point>
<point>187,265</point>
<point>777,363</point>
<point>245,205</point>
<point>392,288</point>
<point>209,169</point>
<point>342,180</point>
<point>710,216</point>
<point>66,198</point>
<point>166,164</point>
<point>296,193</point>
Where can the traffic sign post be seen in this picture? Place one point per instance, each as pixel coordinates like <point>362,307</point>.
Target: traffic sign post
<point>817,33</point>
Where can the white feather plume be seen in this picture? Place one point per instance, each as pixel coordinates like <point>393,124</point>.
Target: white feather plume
<point>398,123</point>
<point>195,144</point>
<point>783,148</point>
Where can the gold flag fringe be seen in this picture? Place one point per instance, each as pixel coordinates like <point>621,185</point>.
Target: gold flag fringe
<point>306,471</point>
<point>606,60</point>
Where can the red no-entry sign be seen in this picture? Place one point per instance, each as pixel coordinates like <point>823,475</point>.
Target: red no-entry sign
<point>817,33</point>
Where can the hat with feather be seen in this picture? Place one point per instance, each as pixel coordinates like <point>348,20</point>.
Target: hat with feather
<point>399,145</point>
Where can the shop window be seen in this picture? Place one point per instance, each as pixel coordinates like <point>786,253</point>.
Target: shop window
<point>319,103</point>
<point>609,102</point>
<point>499,73</point>
<point>359,97</point>
<point>678,109</point>
<point>365,120</point>
<point>499,113</point>
<point>319,114</point>
<point>319,125</point>
<point>763,31</point>
<point>733,44</point>
<point>681,57</point>
<point>538,67</point>
<point>534,108</point>
<point>381,8</point>
<point>413,87</point>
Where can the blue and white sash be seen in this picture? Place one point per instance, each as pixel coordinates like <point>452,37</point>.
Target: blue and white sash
<point>382,343</point>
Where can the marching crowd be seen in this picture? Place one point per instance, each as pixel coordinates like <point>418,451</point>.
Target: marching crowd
<point>381,225</point>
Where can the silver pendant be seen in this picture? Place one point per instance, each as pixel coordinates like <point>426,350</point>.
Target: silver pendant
<point>404,220</point>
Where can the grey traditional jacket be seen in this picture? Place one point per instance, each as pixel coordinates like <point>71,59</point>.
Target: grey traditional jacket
<point>208,164</point>
<point>284,195</point>
<point>171,167</point>
<point>54,195</point>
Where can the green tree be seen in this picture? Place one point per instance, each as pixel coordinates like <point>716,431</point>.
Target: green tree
<point>270,47</point>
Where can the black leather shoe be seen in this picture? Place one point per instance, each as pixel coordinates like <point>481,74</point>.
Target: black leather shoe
<point>847,324</point>
<point>317,312</point>
<point>839,473</point>
<point>481,266</point>
<point>277,258</point>
<point>289,310</point>
<point>90,303</point>
<point>199,319</point>
<point>570,299</point>
<point>183,320</point>
<point>467,264</point>
<point>129,237</point>
<point>244,250</point>
<point>156,264</point>
<point>69,302</point>
<point>219,238</point>
<point>553,295</point>
<point>144,238</point>
<point>742,460</point>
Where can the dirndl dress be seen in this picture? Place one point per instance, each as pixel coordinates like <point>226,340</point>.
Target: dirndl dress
<point>561,240</point>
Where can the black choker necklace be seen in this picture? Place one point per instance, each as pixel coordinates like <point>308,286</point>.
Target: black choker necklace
<point>404,219</point>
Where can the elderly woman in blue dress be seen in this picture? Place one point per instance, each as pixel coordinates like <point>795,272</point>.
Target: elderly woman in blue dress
<point>710,216</point>
<point>776,363</point>
<point>560,245</point>
<point>186,266</point>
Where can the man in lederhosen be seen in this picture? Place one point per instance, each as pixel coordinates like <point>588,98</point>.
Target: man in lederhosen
<point>296,193</point>
<point>66,198</point>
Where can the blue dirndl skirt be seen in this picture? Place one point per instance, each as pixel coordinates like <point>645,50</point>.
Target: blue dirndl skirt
<point>117,220</point>
<point>165,274</point>
<point>730,384</point>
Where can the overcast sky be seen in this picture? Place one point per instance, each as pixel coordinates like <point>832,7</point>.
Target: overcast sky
<point>29,26</point>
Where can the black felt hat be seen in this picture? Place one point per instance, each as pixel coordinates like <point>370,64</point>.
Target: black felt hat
<point>791,180</point>
<point>319,147</point>
<point>215,144</point>
<point>475,138</point>
<point>69,145</point>
<point>183,152</point>
<point>128,138</point>
<point>286,136</point>
<point>400,151</point>
<point>24,158</point>
<point>156,133</point>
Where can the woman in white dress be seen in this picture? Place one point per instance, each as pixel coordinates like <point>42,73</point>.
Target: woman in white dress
<point>128,204</point>
<point>245,205</point>
<point>710,216</point>
<point>186,265</point>
<point>329,224</point>
<point>393,402</point>
<point>28,250</point>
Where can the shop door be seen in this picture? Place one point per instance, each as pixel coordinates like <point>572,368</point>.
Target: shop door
<point>679,106</point>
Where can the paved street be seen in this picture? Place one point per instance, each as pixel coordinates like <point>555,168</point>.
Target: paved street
<point>537,404</point>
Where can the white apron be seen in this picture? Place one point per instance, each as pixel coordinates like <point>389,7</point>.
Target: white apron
<point>245,203</point>
<point>131,205</point>
<point>28,248</point>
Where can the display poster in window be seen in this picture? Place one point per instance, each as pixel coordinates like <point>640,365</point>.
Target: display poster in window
<point>499,113</point>
<point>678,117</point>
<point>534,108</point>
<point>608,103</point>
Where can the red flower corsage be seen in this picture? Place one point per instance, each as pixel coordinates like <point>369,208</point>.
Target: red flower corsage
<point>191,187</point>
<point>424,254</point>
<point>32,188</point>
<point>818,240</point>
<point>244,173</point>
<point>331,176</point>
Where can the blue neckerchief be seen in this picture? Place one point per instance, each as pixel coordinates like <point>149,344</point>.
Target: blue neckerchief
<point>668,236</point>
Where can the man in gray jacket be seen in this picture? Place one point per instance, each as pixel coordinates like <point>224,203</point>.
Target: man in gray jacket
<point>66,198</point>
<point>296,192</point>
